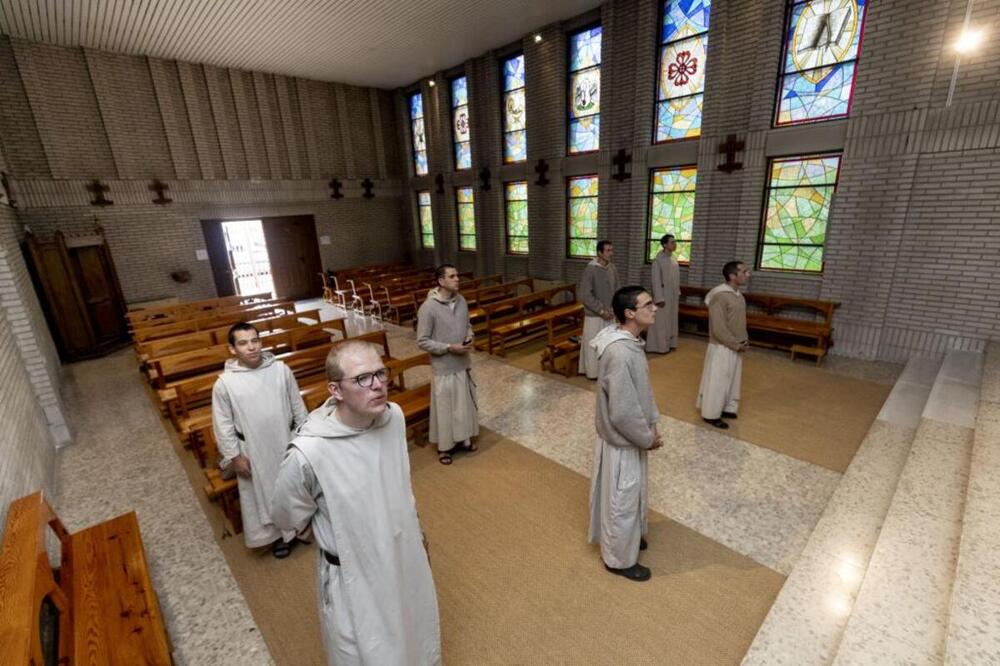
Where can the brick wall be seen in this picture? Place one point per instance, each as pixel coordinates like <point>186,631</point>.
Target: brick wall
<point>916,199</point>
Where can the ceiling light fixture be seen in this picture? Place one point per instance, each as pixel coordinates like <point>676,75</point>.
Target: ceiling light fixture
<point>538,38</point>
<point>430,82</point>
<point>969,40</point>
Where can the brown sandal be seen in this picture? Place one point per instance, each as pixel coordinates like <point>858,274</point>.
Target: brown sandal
<point>444,457</point>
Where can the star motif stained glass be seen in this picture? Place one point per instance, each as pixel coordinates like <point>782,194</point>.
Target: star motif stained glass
<point>681,85</point>
<point>799,194</point>
<point>583,216</point>
<point>585,91</point>
<point>516,212</point>
<point>515,125</point>
<point>671,210</point>
<point>822,45</point>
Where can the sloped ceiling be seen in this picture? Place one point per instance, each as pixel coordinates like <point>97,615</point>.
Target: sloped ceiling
<point>381,43</point>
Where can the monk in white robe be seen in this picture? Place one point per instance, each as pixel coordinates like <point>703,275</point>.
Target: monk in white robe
<point>597,285</point>
<point>256,407</point>
<point>347,474</point>
<point>661,338</point>
<point>443,331</point>
<point>626,419</point>
<point>719,394</point>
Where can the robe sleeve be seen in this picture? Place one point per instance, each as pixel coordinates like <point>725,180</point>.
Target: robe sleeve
<point>223,426</point>
<point>657,274</point>
<point>675,276</point>
<point>299,412</point>
<point>293,502</point>
<point>625,407</point>
<point>425,329</point>
<point>720,329</point>
<point>587,295</point>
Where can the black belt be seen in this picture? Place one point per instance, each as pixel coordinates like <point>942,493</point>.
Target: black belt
<point>332,559</point>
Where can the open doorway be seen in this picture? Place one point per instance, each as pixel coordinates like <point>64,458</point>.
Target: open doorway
<point>246,249</point>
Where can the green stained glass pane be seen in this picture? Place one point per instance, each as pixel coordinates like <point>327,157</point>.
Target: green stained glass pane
<point>579,247</point>
<point>467,242</point>
<point>517,245</point>
<point>583,187</point>
<point>798,215</point>
<point>466,219</point>
<point>516,191</point>
<point>808,171</point>
<point>792,258</point>
<point>583,218</point>
<point>427,240</point>
<point>517,218</point>
<point>675,180</point>
<point>464,195</point>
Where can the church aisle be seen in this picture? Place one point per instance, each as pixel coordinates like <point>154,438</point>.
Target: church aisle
<point>121,460</point>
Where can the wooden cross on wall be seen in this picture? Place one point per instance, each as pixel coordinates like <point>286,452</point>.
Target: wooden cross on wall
<point>97,188</point>
<point>484,179</point>
<point>541,169</point>
<point>160,188</point>
<point>335,185</point>
<point>621,161</point>
<point>439,181</point>
<point>730,147</point>
<point>367,185</point>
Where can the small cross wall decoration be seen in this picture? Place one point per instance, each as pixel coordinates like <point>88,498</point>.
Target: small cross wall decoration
<point>367,185</point>
<point>160,188</point>
<point>484,179</point>
<point>335,185</point>
<point>622,160</point>
<point>97,188</point>
<point>730,147</point>
<point>541,169</point>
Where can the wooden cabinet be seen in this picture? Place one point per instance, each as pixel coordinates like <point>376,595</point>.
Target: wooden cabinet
<point>80,293</point>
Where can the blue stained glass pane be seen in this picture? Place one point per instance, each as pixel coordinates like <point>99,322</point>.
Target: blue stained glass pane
<point>585,49</point>
<point>463,156</point>
<point>816,95</point>
<point>823,32</point>
<point>679,118</point>
<point>683,18</point>
<point>459,92</point>
<point>515,147</point>
<point>420,163</point>
<point>416,106</point>
<point>424,198</point>
<point>585,134</point>
<point>513,73</point>
<point>419,137</point>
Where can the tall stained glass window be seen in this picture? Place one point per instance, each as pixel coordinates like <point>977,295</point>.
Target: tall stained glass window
<point>822,43</point>
<point>680,91</point>
<point>515,196</point>
<point>671,209</point>
<point>582,216</point>
<point>418,135</point>
<point>799,193</point>
<point>465,204</point>
<point>460,123</point>
<point>515,128</point>
<point>585,91</point>
<point>426,219</point>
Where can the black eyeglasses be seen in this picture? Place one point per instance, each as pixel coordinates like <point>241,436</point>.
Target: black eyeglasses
<point>366,379</point>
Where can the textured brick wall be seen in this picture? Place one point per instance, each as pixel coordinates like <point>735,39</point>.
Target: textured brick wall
<point>917,181</point>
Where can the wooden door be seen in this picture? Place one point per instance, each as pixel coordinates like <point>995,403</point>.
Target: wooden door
<point>218,258</point>
<point>94,274</point>
<point>294,255</point>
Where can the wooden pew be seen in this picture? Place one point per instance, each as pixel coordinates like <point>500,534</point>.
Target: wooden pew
<point>148,333</point>
<point>216,336</point>
<point>108,612</point>
<point>766,323</point>
<point>191,307</point>
<point>184,315</point>
<point>531,318</point>
<point>563,333</point>
<point>403,301</point>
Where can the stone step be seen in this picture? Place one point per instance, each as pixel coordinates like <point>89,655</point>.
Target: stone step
<point>807,619</point>
<point>901,611</point>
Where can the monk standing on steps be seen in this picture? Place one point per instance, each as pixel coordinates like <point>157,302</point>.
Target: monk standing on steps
<point>347,474</point>
<point>719,395</point>
<point>597,286</point>
<point>443,331</point>
<point>626,419</point>
<point>256,407</point>
<point>666,273</point>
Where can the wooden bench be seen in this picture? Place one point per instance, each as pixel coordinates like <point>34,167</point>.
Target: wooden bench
<point>765,321</point>
<point>148,333</point>
<point>99,602</point>
<point>141,315</point>
<point>532,318</point>
<point>403,304</point>
<point>181,316</point>
<point>562,346</point>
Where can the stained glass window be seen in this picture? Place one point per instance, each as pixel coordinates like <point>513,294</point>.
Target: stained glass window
<point>585,91</point>
<point>465,204</point>
<point>426,220</point>
<point>515,197</point>
<point>671,209</point>
<point>680,91</point>
<point>822,43</point>
<point>418,135</point>
<point>515,127</point>
<point>583,216</point>
<point>799,193</point>
<point>460,123</point>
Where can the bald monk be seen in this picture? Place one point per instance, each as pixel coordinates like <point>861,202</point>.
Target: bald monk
<point>626,419</point>
<point>256,407</point>
<point>719,394</point>
<point>347,474</point>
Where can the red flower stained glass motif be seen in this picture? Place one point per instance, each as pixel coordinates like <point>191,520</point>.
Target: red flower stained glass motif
<point>681,70</point>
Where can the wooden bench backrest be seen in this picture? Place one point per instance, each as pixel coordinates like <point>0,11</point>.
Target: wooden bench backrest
<point>215,321</point>
<point>188,307</point>
<point>204,314</point>
<point>773,304</point>
<point>489,294</point>
<point>26,580</point>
